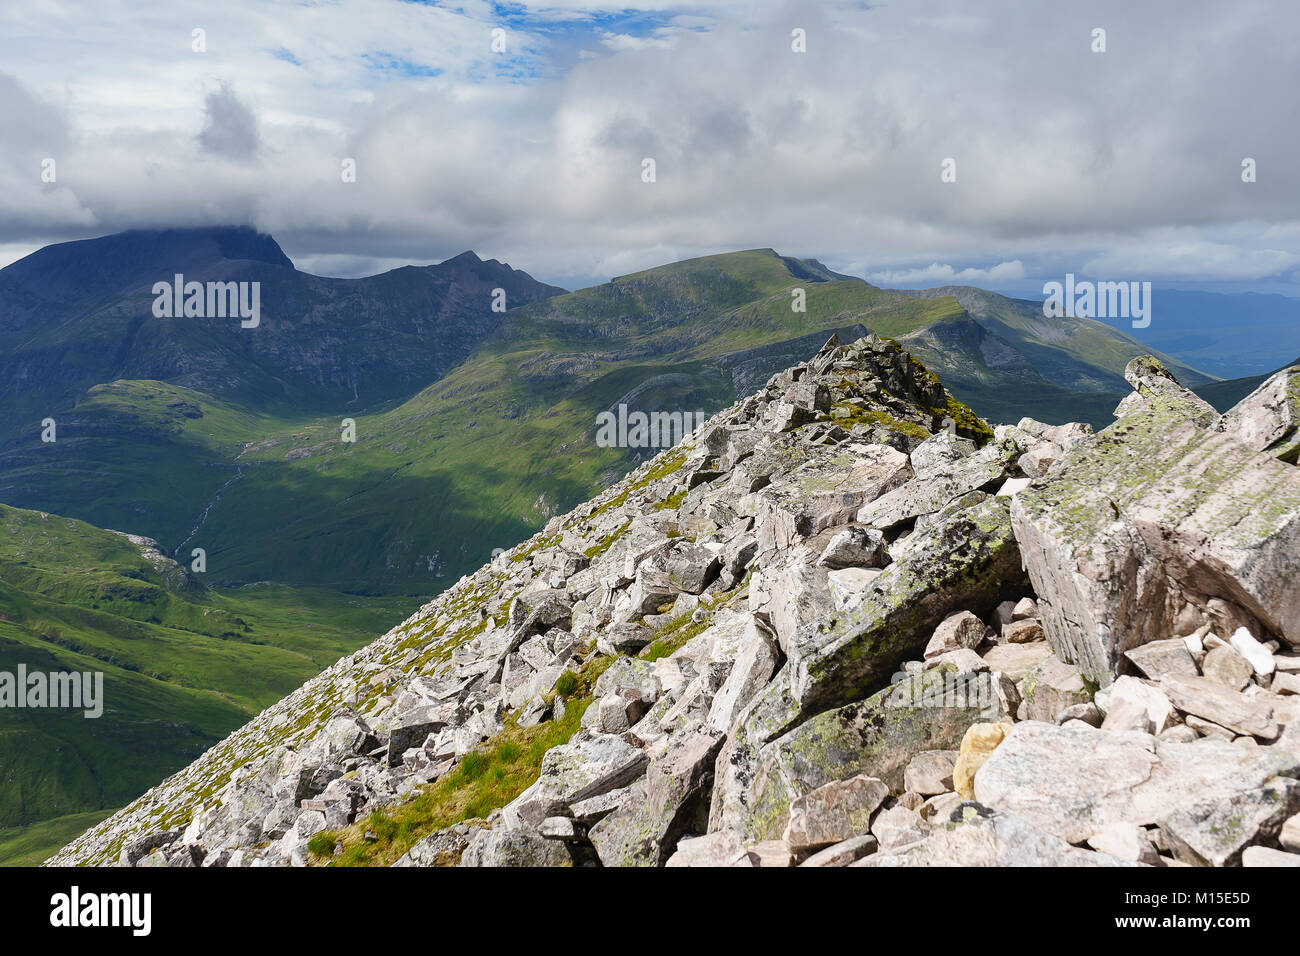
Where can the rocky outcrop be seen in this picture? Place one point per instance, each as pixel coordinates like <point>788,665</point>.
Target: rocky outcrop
<point>1159,526</point>
<point>844,623</point>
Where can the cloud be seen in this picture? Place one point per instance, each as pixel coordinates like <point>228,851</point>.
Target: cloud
<point>944,274</point>
<point>229,126</point>
<point>1065,158</point>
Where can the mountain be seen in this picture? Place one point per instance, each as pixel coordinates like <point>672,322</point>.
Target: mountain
<point>80,314</point>
<point>505,439</point>
<point>796,636</point>
<point>183,664</point>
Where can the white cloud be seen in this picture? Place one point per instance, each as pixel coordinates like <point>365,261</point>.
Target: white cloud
<point>943,274</point>
<point>1065,158</point>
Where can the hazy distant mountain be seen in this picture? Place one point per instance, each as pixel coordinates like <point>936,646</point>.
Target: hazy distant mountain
<point>1231,335</point>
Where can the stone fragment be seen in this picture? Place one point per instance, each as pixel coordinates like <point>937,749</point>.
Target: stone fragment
<point>897,827</point>
<point>961,629</point>
<point>1157,658</point>
<point>1023,632</point>
<point>846,852</point>
<point>1137,706</point>
<point>722,848</point>
<point>1050,688</point>
<point>833,812</point>
<point>1212,701</point>
<point>930,772</point>
<point>501,847</point>
<point>986,839</point>
<point>1224,665</point>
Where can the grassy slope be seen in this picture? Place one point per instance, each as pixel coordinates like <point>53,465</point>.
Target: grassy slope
<point>31,846</point>
<point>183,666</point>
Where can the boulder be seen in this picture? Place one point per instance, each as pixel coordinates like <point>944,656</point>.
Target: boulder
<point>972,565</point>
<point>961,629</point>
<point>977,745</point>
<point>981,838</point>
<point>1074,780</point>
<point>571,773</point>
<point>1131,704</point>
<point>500,847</point>
<point>1050,688</point>
<point>855,547</point>
<point>1225,666</point>
<point>1268,419</point>
<point>930,772</point>
<point>1159,658</point>
<point>1117,552</point>
<point>845,852</point>
<point>722,848</point>
<point>761,772</point>
<point>1214,832</point>
<point>1213,701</point>
<point>928,493</point>
<point>825,492</point>
<point>677,787</point>
<point>755,661</point>
<point>833,813</point>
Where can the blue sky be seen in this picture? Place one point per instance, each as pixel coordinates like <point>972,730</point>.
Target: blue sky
<point>1116,164</point>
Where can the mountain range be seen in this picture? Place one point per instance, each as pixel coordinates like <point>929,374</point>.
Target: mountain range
<point>473,428</point>
<point>199,433</point>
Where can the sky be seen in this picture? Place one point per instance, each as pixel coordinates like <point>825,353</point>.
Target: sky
<point>521,130</point>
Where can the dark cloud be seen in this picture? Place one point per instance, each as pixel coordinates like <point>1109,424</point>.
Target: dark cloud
<point>229,126</point>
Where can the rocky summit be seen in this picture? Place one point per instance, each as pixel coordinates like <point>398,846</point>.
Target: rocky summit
<point>844,622</point>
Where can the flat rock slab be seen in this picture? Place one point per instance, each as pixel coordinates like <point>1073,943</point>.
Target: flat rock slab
<point>1017,660</point>
<point>1075,780</point>
<point>833,813</point>
<point>1213,701</point>
<point>984,839</point>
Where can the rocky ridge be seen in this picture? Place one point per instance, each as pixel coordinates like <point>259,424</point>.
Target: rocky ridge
<point>843,623</point>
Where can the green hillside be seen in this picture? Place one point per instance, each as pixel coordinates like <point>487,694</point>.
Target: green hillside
<point>183,664</point>
<point>485,455</point>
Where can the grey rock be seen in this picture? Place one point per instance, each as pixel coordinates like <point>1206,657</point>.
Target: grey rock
<point>843,853</point>
<point>988,839</point>
<point>1213,701</point>
<point>1215,832</point>
<point>832,813</point>
<point>513,848</point>
<point>1073,780</point>
<point>930,772</point>
<point>1158,658</point>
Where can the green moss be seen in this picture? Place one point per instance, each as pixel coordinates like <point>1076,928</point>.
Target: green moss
<point>605,543</point>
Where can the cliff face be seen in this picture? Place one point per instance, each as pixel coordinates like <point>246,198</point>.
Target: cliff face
<point>843,622</point>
